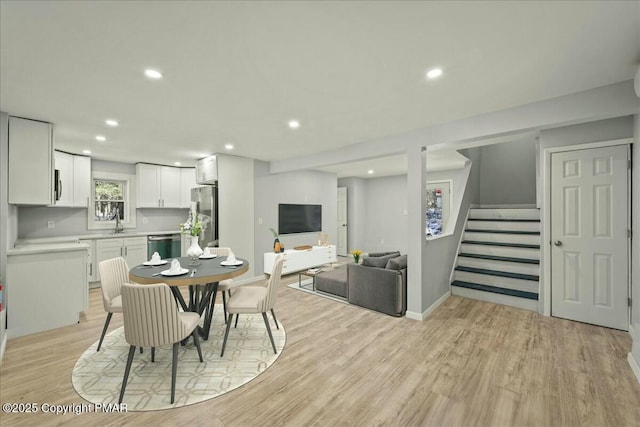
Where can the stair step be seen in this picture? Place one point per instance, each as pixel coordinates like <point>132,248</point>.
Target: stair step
<point>500,258</point>
<point>498,273</point>
<point>471,230</point>
<point>508,251</point>
<point>486,213</point>
<point>495,290</point>
<point>528,239</point>
<point>513,245</point>
<point>503,225</point>
<point>505,219</point>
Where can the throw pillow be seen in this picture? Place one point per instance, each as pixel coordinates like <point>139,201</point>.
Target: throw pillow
<point>377,261</point>
<point>397,263</point>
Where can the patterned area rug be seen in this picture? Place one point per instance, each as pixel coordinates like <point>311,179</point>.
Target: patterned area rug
<point>97,376</point>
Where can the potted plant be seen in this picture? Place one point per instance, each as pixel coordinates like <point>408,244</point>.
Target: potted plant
<point>277,247</point>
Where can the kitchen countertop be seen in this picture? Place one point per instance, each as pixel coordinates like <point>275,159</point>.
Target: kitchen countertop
<point>74,239</point>
<point>47,248</point>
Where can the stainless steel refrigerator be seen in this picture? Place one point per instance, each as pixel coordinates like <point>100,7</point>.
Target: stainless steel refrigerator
<point>206,203</point>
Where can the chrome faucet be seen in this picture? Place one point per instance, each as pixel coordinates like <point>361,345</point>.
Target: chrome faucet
<point>119,226</point>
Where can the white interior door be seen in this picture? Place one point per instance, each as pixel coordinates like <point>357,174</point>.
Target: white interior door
<point>589,214</point>
<point>341,248</point>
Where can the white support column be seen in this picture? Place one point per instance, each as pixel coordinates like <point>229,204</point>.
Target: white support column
<point>416,203</point>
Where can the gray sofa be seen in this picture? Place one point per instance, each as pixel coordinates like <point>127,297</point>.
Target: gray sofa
<point>379,283</point>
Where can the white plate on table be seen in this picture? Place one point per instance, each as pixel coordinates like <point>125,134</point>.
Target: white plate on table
<point>169,273</point>
<point>210,256</point>
<point>155,263</point>
<point>236,262</point>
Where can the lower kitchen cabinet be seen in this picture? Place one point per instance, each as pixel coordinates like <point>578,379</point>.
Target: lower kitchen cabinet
<point>132,249</point>
<point>46,288</point>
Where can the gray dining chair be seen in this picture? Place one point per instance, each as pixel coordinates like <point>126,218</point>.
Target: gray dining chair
<point>152,319</point>
<point>251,299</point>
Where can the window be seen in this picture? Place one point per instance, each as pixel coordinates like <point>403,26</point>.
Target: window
<point>111,196</point>
<point>109,200</point>
<point>438,207</point>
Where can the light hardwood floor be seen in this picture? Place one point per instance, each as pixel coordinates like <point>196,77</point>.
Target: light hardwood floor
<point>470,363</point>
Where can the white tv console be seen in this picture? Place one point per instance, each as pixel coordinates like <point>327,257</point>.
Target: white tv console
<point>295,260</point>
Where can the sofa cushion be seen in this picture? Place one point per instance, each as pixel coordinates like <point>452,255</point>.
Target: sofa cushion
<point>333,282</point>
<point>379,254</point>
<point>397,263</point>
<point>378,261</point>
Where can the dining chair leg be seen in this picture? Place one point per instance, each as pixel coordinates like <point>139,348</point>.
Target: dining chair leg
<point>224,306</point>
<point>266,322</point>
<point>141,350</point>
<point>132,351</point>
<point>196,341</point>
<point>226,334</point>
<point>274,319</point>
<point>153,354</point>
<point>236,325</point>
<point>104,330</point>
<point>174,370</point>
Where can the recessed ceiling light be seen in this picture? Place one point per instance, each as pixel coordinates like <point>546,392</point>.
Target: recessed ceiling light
<point>111,122</point>
<point>228,146</point>
<point>294,124</point>
<point>101,138</point>
<point>370,171</point>
<point>177,163</point>
<point>153,74</point>
<point>434,73</point>
<point>86,151</point>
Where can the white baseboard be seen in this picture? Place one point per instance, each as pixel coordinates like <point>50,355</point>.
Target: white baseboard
<point>422,316</point>
<point>635,367</point>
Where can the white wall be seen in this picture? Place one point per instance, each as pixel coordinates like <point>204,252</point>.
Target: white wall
<point>385,214</point>
<point>508,173</point>
<point>635,248</point>
<point>236,190</point>
<point>356,199</point>
<point>7,235</point>
<point>299,187</point>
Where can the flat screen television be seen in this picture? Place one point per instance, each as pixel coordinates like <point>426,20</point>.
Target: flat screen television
<point>299,218</point>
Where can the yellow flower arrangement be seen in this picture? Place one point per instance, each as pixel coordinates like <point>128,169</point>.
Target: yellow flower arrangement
<point>356,255</point>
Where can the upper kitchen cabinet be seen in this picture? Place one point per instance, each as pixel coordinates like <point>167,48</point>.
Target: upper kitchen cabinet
<point>75,180</point>
<point>31,167</point>
<point>188,182</point>
<point>158,186</point>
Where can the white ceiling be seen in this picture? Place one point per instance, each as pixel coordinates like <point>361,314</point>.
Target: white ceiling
<point>349,71</point>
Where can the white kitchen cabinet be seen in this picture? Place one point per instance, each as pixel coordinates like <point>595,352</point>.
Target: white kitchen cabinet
<point>81,181</point>
<point>46,287</point>
<point>91,259</point>
<point>75,178</point>
<point>188,181</point>
<point>31,169</point>
<point>132,249</point>
<point>158,186</point>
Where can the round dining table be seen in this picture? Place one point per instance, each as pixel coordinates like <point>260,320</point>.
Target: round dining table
<point>202,280</point>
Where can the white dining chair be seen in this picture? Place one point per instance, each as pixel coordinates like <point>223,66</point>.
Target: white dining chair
<point>152,319</point>
<point>113,273</point>
<point>226,285</point>
<point>251,299</point>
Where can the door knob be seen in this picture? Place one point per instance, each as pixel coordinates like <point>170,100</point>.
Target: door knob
<point>557,243</point>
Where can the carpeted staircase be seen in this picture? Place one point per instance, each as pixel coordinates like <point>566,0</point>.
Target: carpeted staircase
<point>499,258</point>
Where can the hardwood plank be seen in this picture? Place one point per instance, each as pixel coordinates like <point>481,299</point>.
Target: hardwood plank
<point>470,363</point>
